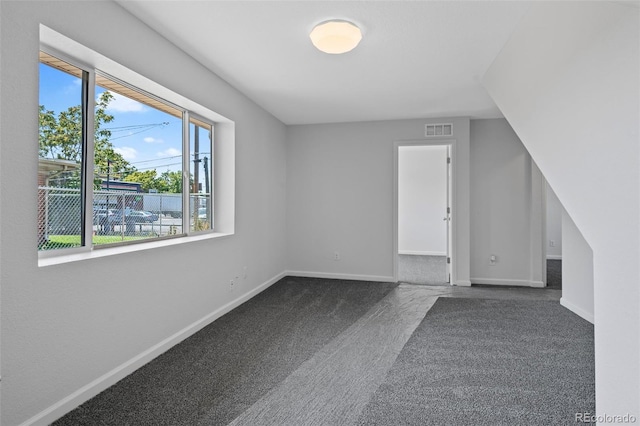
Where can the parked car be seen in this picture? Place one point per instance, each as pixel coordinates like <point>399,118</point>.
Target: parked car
<point>102,216</point>
<point>142,216</point>
<point>132,216</point>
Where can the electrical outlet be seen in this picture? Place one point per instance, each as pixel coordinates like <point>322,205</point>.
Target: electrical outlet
<point>336,256</point>
<point>552,243</point>
<point>232,283</point>
<point>493,259</point>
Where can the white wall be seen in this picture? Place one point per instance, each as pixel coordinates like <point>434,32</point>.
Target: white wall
<point>577,270</point>
<point>554,225</point>
<point>503,194</point>
<point>340,197</point>
<point>567,82</point>
<point>422,200</point>
<point>339,194</point>
<point>67,325</point>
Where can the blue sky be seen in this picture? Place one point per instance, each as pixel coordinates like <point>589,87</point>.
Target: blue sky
<point>137,132</point>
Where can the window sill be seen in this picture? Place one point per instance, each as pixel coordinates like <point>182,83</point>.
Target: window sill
<point>130,248</point>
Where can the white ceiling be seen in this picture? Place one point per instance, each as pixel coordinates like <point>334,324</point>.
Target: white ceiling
<point>417,59</point>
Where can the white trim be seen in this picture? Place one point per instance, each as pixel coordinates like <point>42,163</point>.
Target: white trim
<point>577,310</point>
<point>554,257</point>
<point>90,390</point>
<point>422,253</point>
<point>126,248</point>
<point>462,283</point>
<point>442,141</point>
<point>503,281</point>
<point>186,170</point>
<point>338,276</point>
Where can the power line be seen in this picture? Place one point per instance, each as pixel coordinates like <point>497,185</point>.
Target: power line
<point>135,126</point>
<point>155,159</point>
<point>157,167</point>
<point>141,127</point>
<point>165,158</point>
<point>120,171</point>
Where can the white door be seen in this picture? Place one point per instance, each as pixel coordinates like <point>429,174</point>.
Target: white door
<point>423,199</point>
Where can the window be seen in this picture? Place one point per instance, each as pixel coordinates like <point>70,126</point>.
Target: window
<point>137,164</point>
<point>145,173</point>
<point>200,146</point>
<point>61,153</point>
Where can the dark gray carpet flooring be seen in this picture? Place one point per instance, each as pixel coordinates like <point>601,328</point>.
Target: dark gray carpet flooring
<point>554,273</point>
<point>490,362</point>
<point>222,370</point>
<point>424,270</point>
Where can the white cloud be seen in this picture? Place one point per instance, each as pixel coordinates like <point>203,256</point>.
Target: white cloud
<point>127,153</point>
<point>171,152</point>
<point>73,88</point>
<point>149,139</point>
<point>121,103</point>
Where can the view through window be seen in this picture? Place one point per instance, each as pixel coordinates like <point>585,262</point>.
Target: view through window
<point>200,164</point>
<point>137,165</point>
<point>60,155</point>
<point>137,190</point>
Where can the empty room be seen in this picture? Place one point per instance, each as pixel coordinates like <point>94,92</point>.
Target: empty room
<point>319,212</point>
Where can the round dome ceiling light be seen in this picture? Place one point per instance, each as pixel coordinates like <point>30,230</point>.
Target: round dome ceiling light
<point>335,36</point>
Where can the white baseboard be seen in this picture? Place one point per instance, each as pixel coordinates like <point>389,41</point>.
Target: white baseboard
<point>462,283</point>
<point>422,253</point>
<point>554,257</point>
<point>502,281</point>
<point>577,310</point>
<point>93,388</point>
<point>337,276</point>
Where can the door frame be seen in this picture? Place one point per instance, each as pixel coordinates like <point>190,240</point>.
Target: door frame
<point>452,234</point>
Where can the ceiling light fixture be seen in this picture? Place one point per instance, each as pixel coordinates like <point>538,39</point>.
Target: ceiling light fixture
<point>335,36</point>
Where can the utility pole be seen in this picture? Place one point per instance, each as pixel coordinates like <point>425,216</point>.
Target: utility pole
<point>108,224</point>
<point>108,173</point>
<point>206,175</point>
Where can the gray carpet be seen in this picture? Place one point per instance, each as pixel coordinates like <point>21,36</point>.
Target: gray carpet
<point>490,362</point>
<point>425,270</point>
<point>334,386</point>
<point>554,273</point>
<point>219,372</point>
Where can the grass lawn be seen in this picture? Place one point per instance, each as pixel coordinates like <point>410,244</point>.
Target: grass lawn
<point>67,241</point>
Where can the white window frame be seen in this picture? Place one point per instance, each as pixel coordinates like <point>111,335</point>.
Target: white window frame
<point>222,155</point>
<point>186,171</point>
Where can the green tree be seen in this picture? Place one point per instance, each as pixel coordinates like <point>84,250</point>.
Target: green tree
<point>148,179</point>
<point>104,152</point>
<point>61,137</point>
<point>167,182</point>
<point>173,180</point>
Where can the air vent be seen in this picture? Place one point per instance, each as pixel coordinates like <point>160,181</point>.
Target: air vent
<point>441,129</point>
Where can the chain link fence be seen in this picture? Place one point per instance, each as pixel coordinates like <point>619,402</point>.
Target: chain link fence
<point>59,218</point>
<point>116,217</point>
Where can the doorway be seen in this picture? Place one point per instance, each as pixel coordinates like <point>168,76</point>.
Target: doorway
<point>424,214</point>
<point>553,239</point>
